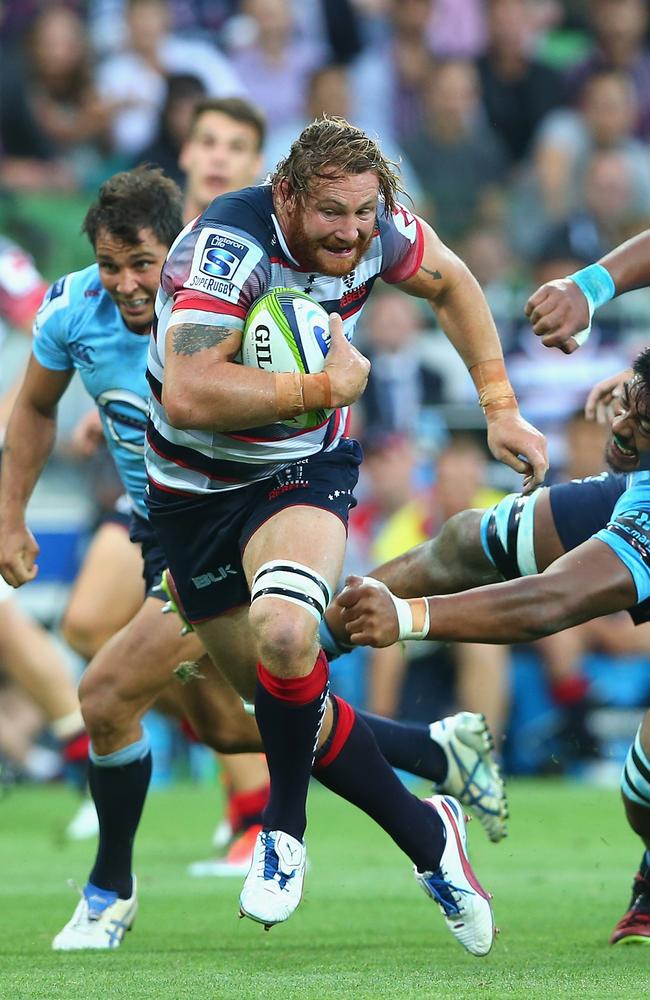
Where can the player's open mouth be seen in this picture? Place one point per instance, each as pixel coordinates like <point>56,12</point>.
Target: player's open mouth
<point>344,252</point>
<point>623,449</point>
<point>135,305</point>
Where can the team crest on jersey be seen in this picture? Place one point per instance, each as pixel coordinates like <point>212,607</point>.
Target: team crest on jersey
<point>348,280</point>
<point>221,263</point>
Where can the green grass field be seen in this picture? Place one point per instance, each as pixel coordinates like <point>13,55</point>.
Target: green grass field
<point>364,929</point>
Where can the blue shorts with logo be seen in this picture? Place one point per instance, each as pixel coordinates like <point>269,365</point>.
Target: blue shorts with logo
<point>582,507</point>
<point>153,557</point>
<point>204,536</point>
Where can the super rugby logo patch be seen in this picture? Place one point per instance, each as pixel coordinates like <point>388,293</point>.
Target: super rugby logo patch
<point>221,264</point>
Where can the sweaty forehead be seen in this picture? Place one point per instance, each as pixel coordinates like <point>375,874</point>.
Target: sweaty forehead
<point>346,189</point>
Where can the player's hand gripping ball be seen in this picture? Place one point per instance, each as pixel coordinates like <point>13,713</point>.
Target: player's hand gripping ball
<point>288,331</point>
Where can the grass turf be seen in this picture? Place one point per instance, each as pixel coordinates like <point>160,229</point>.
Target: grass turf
<point>363,930</point>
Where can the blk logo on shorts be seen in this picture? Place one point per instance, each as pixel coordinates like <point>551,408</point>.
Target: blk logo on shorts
<point>207,579</point>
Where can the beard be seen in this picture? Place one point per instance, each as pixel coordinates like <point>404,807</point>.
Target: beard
<point>313,254</point>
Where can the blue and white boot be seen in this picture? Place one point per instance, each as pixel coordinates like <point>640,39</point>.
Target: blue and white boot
<point>273,886</point>
<point>100,921</point>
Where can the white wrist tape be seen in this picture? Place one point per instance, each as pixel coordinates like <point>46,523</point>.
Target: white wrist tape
<point>412,617</point>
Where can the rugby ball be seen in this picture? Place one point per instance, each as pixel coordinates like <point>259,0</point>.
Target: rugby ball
<point>288,331</point>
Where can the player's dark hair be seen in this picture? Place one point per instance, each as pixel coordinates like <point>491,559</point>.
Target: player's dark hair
<point>641,369</point>
<point>329,149</point>
<point>237,108</point>
<point>133,200</point>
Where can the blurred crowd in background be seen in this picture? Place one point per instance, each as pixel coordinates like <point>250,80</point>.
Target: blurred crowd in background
<point>522,128</point>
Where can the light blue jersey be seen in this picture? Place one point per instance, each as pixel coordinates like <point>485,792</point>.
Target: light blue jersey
<point>79,326</point>
<point>628,532</point>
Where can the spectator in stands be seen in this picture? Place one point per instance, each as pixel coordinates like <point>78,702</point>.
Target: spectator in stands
<point>55,124</point>
<point>620,28</point>
<point>184,90</point>
<point>400,383</point>
<point>607,209</point>
<point>277,62</point>
<point>459,160</point>
<point>518,90</point>
<point>457,28</point>
<point>136,77</point>
<point>388,77</point>
<point>605,120</point>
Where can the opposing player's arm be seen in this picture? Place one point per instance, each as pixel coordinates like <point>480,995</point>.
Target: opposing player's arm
<point>585,583</point>
<point>205,388</point>
<point>30,436</point>
<point>561,310</point>
<point>463,313</point>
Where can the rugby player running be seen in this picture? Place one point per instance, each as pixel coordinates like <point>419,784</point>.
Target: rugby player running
<point>233,484</point>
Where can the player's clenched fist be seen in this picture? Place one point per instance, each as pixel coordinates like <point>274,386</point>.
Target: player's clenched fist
<point>368,612</point>
<point>559,314</point>
<point>18,552</point>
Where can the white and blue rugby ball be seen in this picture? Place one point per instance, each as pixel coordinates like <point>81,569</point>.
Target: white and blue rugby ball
<point>288,331</point>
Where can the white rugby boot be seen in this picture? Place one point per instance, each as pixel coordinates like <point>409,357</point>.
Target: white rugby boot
<point>464,904</point>
<point>100,921</point>
<point>473,775</point>
<point>273,887</point>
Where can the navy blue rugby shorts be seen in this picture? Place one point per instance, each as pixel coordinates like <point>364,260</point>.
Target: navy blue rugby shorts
<point>582,507</point>
<point>204,536</point>
<point>153,557</point>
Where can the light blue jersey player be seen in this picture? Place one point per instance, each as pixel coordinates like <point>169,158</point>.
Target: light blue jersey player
<point>563,556</point>
<point>79,327</point>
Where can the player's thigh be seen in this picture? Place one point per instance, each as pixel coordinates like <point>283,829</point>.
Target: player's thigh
<point>108,589</point>
<point>308,536</point>
<point>136,663</point>
<point>232,647</point>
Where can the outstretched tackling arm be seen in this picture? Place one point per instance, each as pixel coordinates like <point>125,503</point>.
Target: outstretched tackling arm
<point>463,313</point>
<point>586,583</point>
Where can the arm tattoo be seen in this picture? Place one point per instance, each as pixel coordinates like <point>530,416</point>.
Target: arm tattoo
<point>190,338</point>
<point>434,274</point>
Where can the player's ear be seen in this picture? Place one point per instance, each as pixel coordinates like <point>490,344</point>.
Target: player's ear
<point>283,193</point>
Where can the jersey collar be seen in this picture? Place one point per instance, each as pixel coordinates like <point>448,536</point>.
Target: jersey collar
<point>281,240</point>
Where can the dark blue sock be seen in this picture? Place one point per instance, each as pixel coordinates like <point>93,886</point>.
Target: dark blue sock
<point>408,746</point>
<point>289,714</point>
<point>119,793</point>
<point>351,765</point>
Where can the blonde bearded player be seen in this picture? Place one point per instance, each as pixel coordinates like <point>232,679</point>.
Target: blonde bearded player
<point>218,451</point>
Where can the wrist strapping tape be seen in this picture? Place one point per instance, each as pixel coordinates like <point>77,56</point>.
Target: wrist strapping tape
<point>597,285</point>
<point>412,617</point>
